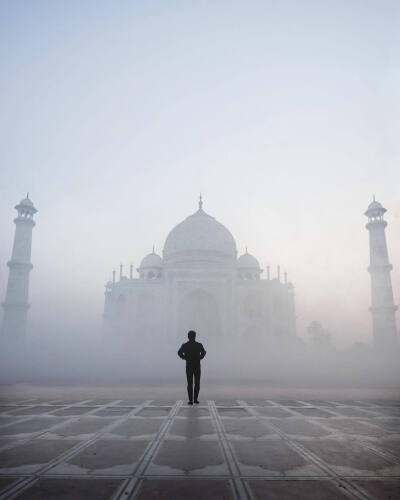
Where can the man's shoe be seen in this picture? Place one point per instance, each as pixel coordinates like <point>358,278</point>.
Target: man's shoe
<point>190,403</point>
<point>196,402</point>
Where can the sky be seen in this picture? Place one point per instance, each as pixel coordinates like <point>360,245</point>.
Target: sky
<point>284,115</point>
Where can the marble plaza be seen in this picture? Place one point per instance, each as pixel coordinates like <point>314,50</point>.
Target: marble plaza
<point>132,447</point>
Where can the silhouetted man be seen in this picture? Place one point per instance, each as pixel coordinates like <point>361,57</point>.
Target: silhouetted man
<point>192,352</point>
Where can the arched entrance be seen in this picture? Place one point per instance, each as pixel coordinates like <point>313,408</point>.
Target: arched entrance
<point>198,310</point>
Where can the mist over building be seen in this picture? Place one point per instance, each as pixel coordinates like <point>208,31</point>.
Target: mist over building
<point>200,283</point>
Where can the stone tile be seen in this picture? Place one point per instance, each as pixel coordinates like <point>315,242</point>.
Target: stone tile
<point>34,454</point>
<point>130,402</point>
<point>226,402</point>
<point>194,412</point>
<point>390,444</point>
<point>74,410</point>
<point>149,411</point>
<point>290,403</point>
<point>7,420</point>
<point>387,412</point>
<point>258,402</point>
<point>384,489</point>
<point>105,456</point>
<point>189,456</point>
<point>353,412</point>
<point>390,424</point>
<point>300,427</point>
<point>273,457</point>
<point>85,425</point>
<point>8,409</point>
<point>113,411</point>
<point>68,402</point>
<point>183,489</point>
<point>29,426</point>
<point>274,412</point>
<point>138,427</point>
<point>347,457</point>
<point>314,412</point>
<point>192,428</point>
<point>385,402</point>
<point>7,441</point>
<point>351,426</point>
<point>250,428</point>
<point>72,489</point>
<point>35,410</point>
<point>101,401</point>
<point>318,402</point>
<point>165,402</point>
<point>296,490</point>
<point>5,482</point>
<point>233,412</point>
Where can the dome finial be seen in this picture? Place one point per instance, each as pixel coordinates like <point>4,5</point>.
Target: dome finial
<point>200,202</point>
<point>373,197</point>
<point>153,249</point>
<point>27,195</point>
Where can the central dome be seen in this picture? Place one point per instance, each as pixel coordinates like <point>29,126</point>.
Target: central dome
<point>199,238</point>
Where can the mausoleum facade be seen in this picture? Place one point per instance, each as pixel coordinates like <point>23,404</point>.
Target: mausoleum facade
<point>200,283</point>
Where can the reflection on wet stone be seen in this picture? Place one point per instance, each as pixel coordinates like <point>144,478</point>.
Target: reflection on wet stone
<point>85,425</point>
<point>274,455</point>
<point>192,428</point>
<point>137,427</point>
<point>246,427</point>
<point>189,455</point>
<point>108,454</point>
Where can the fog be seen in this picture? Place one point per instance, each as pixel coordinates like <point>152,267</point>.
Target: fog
<point>285,116</point>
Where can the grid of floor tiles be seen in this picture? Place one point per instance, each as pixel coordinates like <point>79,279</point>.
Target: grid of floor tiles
<point>136,449</point>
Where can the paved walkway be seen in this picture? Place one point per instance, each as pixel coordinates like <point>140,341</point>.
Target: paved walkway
<point>228,449</point>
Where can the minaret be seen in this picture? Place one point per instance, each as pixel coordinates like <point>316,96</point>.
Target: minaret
<point>16,303</point>
<point>382,304</point>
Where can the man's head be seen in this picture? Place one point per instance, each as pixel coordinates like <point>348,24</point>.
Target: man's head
<point>191,335</point>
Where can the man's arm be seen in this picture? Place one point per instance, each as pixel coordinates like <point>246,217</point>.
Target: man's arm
<point>202,351</point>
<point>181,353</point>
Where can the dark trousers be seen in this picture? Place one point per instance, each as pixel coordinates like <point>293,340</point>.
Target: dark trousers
<point>193,371</point>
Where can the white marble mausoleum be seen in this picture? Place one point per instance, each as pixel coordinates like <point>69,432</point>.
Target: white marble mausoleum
<point>200,283</point>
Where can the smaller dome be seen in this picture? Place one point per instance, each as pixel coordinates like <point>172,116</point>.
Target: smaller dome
<point>247,261</point>
<point>151,260</point>
<point>375,209</point>
<point>375,205</point>
<point>27,202</point>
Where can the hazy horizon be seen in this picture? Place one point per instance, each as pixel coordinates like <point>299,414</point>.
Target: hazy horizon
<point>284,116</point>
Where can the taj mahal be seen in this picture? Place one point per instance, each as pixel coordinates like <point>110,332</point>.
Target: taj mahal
<point>200,283</point>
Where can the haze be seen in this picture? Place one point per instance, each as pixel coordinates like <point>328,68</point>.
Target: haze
<point>284,115</point>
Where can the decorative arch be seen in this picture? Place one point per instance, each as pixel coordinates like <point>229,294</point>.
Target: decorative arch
<point>252,306</point>
<point>199,311</point>
<point>120,305</point>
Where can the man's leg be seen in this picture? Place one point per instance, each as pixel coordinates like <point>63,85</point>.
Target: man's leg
<point>189,377</point>
<point>197,375</point>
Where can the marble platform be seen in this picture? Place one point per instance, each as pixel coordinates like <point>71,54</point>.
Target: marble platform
<point>138,448</point>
